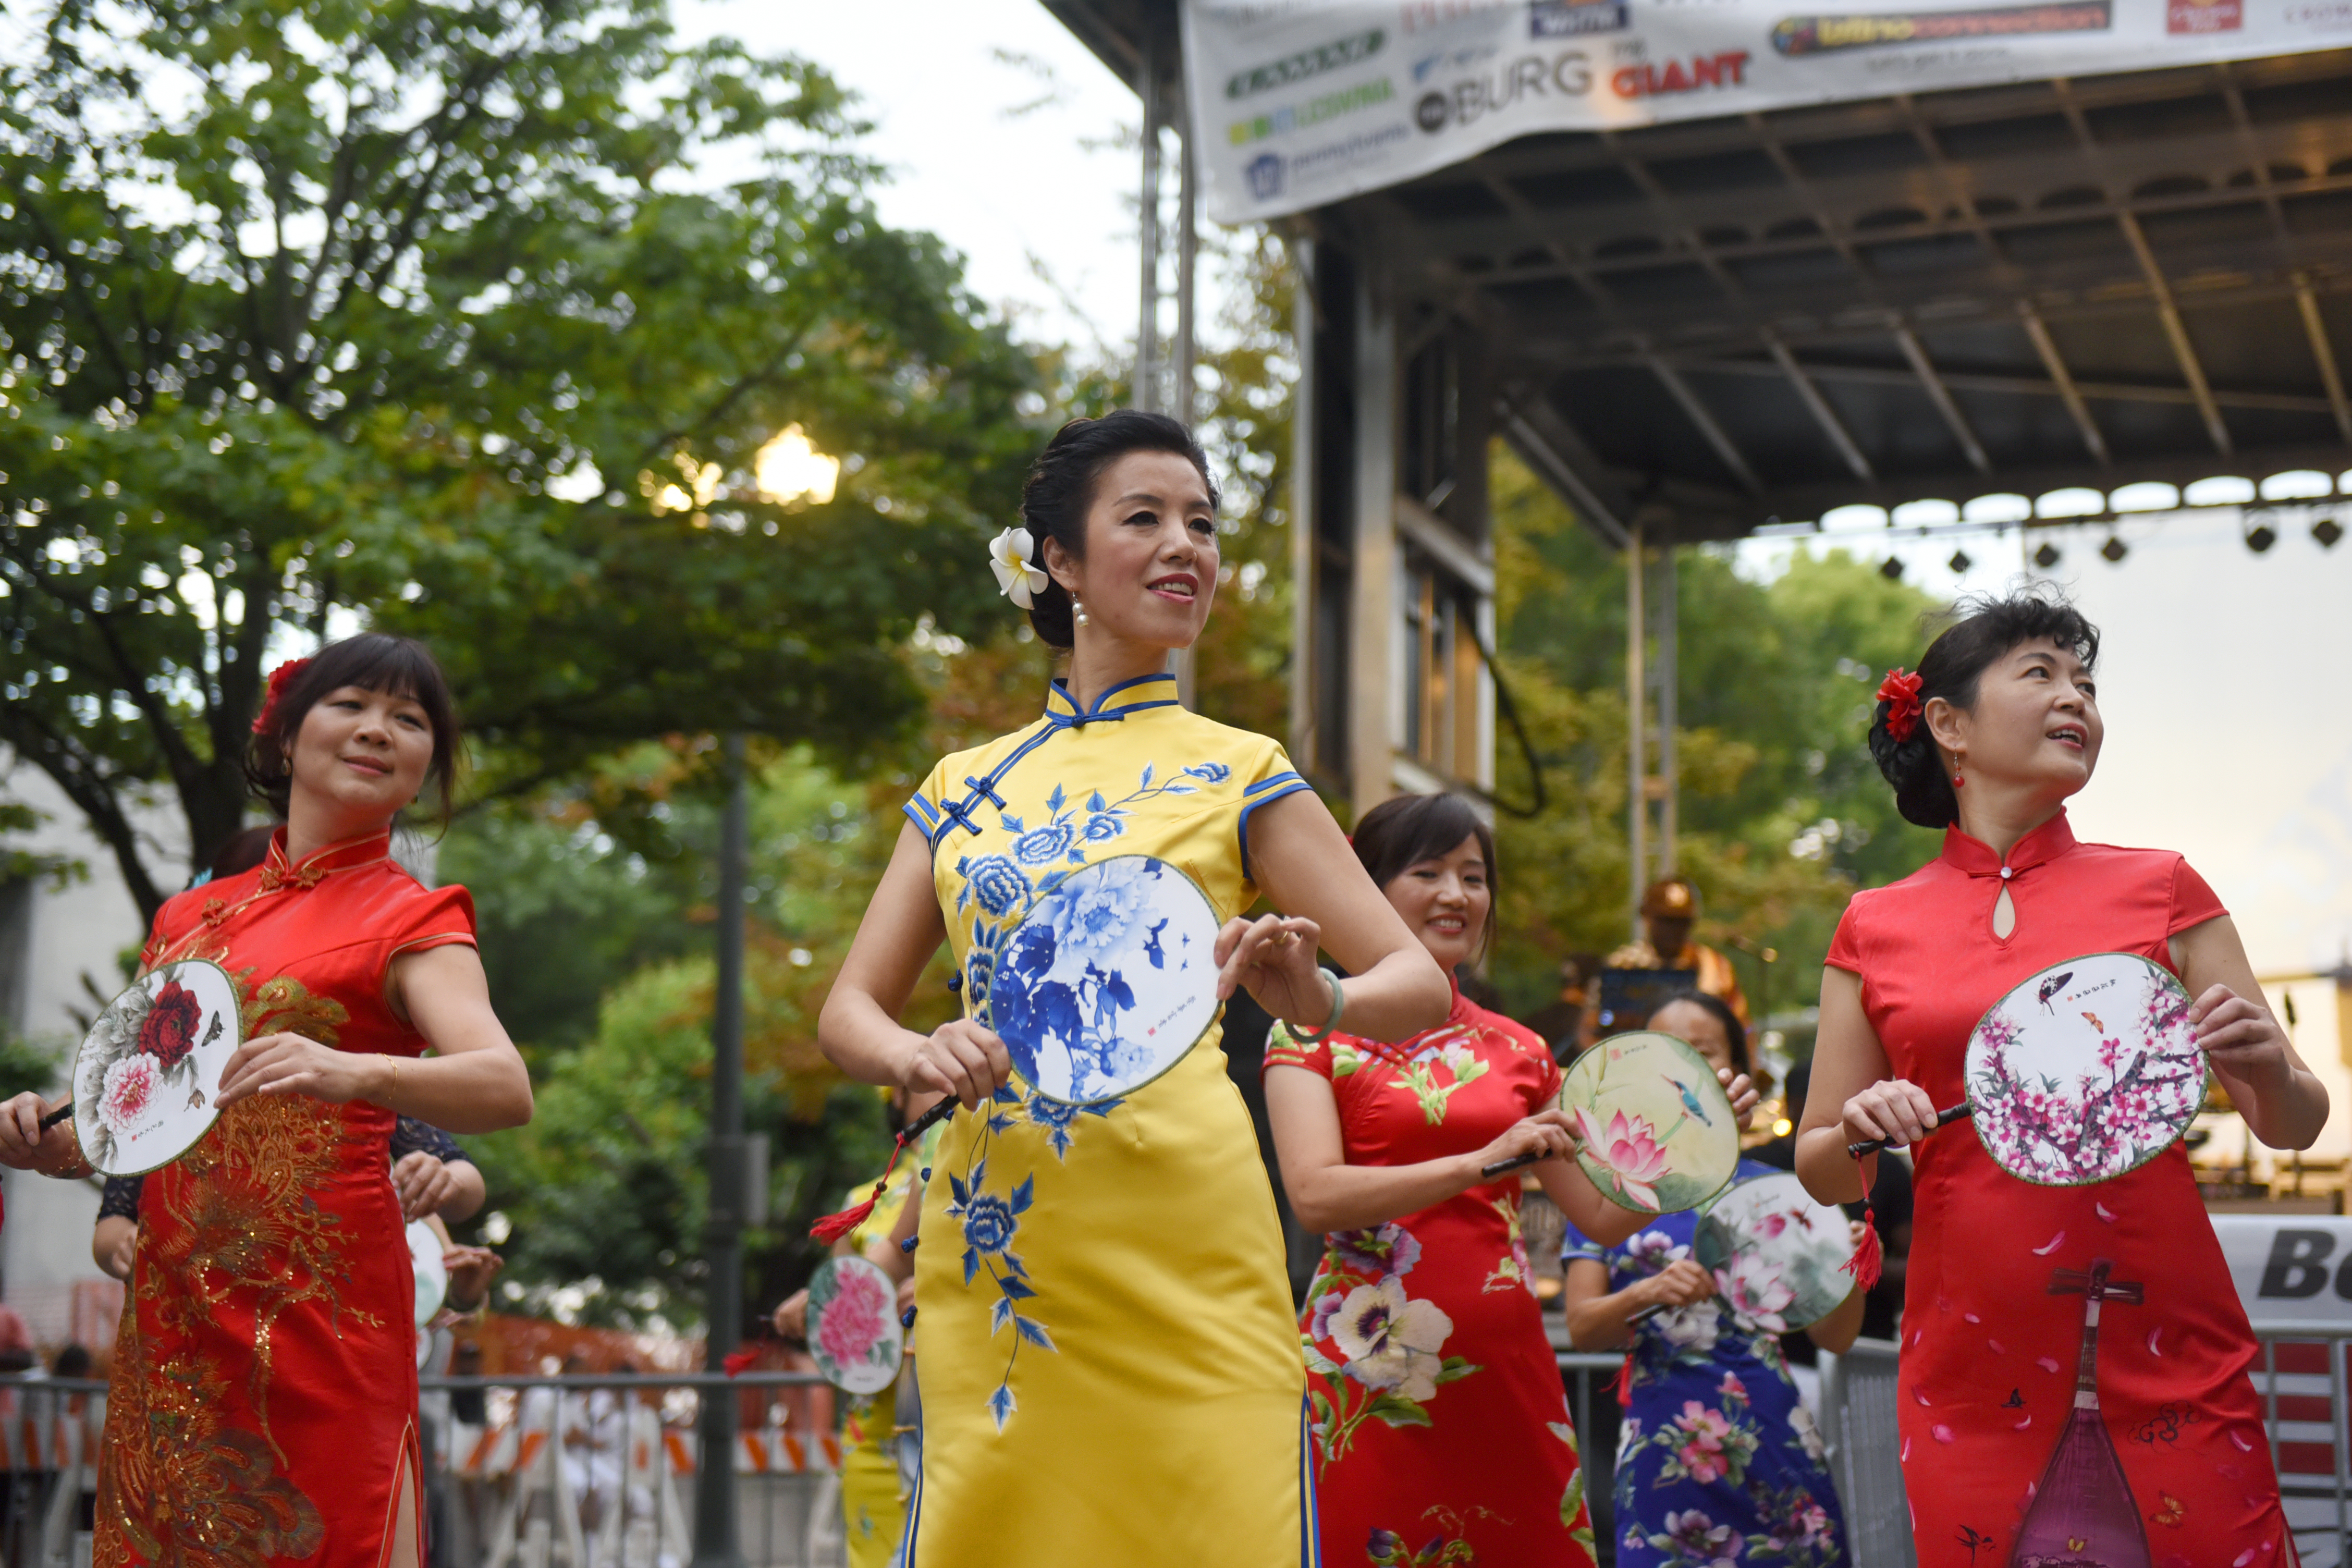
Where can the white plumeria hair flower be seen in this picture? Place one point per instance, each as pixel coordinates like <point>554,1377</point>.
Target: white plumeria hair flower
<point>1012,556</point>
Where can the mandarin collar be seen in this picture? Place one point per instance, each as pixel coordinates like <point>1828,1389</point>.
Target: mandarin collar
<point>1976,858</point>
<point>1127,697</point>
<point>346,856</point>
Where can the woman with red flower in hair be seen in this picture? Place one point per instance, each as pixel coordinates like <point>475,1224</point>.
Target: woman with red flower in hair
<point>1999,728</point>
<point>263,1404</point>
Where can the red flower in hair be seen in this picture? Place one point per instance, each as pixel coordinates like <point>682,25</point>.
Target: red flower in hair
<point>280,678</point>
<point>1900,692</point>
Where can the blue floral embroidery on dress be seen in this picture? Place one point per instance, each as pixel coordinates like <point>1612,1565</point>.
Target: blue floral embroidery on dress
<point>1005,889</point>
<point>1056,1117</point>
<point>995,881</point>
<point>1044,844</point>
<point>989,1224</point>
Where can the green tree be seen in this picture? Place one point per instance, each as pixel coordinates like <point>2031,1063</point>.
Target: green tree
<point>429,311</point>
<point>1782,812</point>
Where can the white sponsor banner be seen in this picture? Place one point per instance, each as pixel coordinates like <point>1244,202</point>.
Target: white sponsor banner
<point>2291,1271</point>
<point>1301,103</point>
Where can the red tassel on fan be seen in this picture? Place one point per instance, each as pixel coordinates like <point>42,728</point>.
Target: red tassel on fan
<point>741,1361</point>
<point>832,1227</point>
<point>1622,1384</point>
<point>1868,1257</point>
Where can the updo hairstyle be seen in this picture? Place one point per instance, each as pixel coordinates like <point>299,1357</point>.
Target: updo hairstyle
<point>1061,488</point>
<point>374,661</point>
<point>1406,829</point>
<point>1986,630</point>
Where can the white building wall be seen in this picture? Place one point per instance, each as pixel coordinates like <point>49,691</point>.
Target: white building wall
<point>77,939</point>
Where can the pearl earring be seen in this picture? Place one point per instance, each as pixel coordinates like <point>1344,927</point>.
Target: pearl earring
<point>1077,610</point>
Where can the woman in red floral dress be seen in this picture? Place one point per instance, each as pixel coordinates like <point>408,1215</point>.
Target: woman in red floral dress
<point>263,1404</point>
<point>1997,730</point>
<point>1442,1434</point>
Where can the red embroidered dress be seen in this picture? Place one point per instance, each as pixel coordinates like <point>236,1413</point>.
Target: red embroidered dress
<point>1442,1434</point>
<point>264,1393</point>
<point>1990,1355</point>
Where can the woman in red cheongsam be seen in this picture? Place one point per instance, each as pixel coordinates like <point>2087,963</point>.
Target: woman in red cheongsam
<point>1987,741</point>
<point>1440,1432</point>
<point>263,1404</point>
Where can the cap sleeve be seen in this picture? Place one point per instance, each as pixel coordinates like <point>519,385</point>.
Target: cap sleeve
<point>410,1136</point>
<point>1284,1049</point>
<point>1846,947</point>
<point>923,807</point>
<point>2193,900</point>
<point>439,917</point>
<point>1574,1244</point>
<point>1270,778</point>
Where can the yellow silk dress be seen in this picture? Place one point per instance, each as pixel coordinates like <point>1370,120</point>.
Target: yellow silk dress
<point>1110,1370</point>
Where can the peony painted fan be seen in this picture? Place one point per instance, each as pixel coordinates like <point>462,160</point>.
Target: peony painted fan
<point>150,1068</point>
<point>1108,981</point>
<point>1656,1131</point>
<point>852,1325</point>
<point>1779,1255</point>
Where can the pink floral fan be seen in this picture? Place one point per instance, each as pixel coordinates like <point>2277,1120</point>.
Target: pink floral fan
<point>147,1073</point>
<point>852,1325</point>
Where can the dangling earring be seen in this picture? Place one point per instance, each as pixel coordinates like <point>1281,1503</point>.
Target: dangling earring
<point>1077,610</point>
<point>1957,780</point>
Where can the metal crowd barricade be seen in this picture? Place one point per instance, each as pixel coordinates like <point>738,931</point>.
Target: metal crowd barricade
<point>1859,1429</point>
<point>598,1471</point>
<point>49,1432</point>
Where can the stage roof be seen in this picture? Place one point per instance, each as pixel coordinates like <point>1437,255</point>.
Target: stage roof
<point>2046,290</point>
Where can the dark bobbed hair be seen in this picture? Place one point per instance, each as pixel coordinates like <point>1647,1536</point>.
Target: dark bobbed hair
<point>1984,629</point>
<point>1060,489</point>
<point>1406,829</point>
<point>374,661</point>
<point>245,849</point>
<point>1720,1010</point>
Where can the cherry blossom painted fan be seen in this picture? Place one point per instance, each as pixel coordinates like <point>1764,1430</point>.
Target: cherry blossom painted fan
<point>2086,1070</point>
<point>147,1073</point>
<point>852,1325</point>
<point>1108,981</point>
<point>1656,1131</point>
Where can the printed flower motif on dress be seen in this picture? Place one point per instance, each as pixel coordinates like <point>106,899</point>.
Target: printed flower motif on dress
<point>1695,1540</point>
<point>1380,1350</point>
<point>1451,1050</point>
<point>1514,1267</point>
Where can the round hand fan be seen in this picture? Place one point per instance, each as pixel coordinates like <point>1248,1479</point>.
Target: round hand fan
<point>1107,981</point>
<point>1778,1255</point>
<point>146,1075</point>
<point>1656,1131</point>
<point>2082,1072</point>
<point>852,1325</point>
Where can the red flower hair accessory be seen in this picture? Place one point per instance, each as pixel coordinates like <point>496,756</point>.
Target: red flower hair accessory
<point>280,678</point>
<point>1900,692</point>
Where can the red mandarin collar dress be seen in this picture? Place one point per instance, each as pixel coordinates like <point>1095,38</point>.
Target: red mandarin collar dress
<point>264,1391</point>
<point>1989,1356</point>
<point>1442,1432</point>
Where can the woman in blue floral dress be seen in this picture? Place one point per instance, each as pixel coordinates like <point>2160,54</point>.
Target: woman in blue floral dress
<point>1718,1462</point>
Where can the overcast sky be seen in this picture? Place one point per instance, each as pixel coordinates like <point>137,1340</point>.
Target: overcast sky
<point>2224,677</point>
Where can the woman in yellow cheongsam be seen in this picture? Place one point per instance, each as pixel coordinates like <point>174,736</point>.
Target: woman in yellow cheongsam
<point>1110,1371</point>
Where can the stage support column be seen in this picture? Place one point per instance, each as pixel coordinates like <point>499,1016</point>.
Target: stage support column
<point>1375,641</point>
